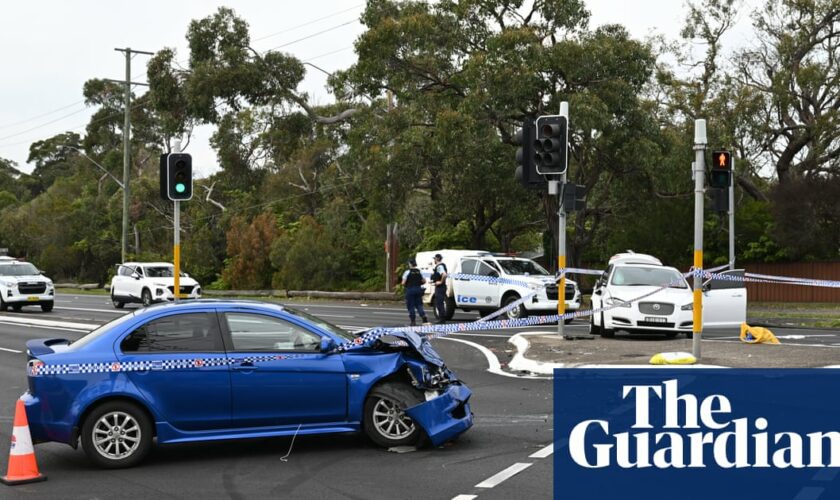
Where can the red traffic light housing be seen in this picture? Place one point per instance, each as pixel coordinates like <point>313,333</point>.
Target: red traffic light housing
<point>721,174</point>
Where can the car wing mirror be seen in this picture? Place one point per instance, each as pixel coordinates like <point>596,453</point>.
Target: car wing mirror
<point>707,286</point>
<point>135,276</point>
<point>327,344</point>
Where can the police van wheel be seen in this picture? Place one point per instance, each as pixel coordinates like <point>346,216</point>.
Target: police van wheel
<point>517,312</point>
<point>449,305</point>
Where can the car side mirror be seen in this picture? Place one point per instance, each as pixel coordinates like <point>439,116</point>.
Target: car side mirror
<point>707,286</point>
<point>135,276</point>
<point>327,344</point>
<point>186,275</point>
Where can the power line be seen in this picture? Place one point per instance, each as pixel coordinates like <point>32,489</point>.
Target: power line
<point>27,120</point>
<point>313,35</point>
<point>287,30</point>
<point>42,125</point>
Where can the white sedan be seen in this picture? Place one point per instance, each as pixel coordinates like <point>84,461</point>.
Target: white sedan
<point>650,298</point>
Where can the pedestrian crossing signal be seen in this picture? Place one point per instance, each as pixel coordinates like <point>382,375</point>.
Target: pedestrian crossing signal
<point>721,174</point>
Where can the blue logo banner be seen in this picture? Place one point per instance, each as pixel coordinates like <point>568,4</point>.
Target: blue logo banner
<point>697,434</point>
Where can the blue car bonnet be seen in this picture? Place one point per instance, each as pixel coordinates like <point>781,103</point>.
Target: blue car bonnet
<point>421,345</point>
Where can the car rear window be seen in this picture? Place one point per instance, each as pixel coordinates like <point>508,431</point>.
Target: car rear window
<point>191,332</point>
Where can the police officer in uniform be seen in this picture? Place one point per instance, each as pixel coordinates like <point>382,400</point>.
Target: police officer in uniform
<point>413,282</point>
<point>439,279</point>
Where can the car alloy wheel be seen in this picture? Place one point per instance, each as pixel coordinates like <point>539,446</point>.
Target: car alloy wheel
<point>147,297</point>
<point>517,312</point>
<point>385,421</point>
<point>117,434</point>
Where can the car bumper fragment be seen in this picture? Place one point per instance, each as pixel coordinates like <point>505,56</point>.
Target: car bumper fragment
<point>446,416</point>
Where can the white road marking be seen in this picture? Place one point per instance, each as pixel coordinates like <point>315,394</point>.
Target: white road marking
<point>545,452</point>
<point>495,367</point>
<point>47,323</point>
<point>502,476</point>
<point>10,350</point>
<point>482,335</point>
<point>110,311</point>
<point>465,497</point>
<point>45,327</point>
<point>335,316</point>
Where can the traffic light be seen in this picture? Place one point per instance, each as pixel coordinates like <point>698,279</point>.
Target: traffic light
<point>551,145</point>
<point>574,197</point>
<point>176,182</point>
<point>526,172</point>
<point>721,174</point>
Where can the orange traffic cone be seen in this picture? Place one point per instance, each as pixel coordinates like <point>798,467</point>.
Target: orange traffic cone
<point>22,466</point>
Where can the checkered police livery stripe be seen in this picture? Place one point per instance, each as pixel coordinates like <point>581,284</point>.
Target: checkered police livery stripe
<point>38,368</point>
<point>491,279</point>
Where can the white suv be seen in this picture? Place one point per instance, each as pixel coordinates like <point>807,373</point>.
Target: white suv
<point>669,310</point>
<point>150,282</point>
<point>22,284</point>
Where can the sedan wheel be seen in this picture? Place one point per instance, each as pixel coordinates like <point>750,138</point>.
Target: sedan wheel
<point>147,297</point>
<point>385,420</point>
<point>116,435</point>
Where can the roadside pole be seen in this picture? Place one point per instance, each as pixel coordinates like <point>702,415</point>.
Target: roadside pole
<point>732,216</point>
<point>699,183</point>
<point>561,237</point>
<point>176,250</point>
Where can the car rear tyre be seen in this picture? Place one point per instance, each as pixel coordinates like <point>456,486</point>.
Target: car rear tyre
<point>117,434</point>
<point>607,333</point>
<point>16,307</point>
<point>146,296</point>
<point>449,305</point>
<point>385,421</point>
<point>47,307</point>
<point>517,312</point>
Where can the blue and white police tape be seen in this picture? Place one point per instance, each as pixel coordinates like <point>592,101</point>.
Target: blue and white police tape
<point>37,368</point>
<point>765,278</point>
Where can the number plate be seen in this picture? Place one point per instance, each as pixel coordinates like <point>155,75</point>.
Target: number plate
<point>33,299</point>
<point>656,319</point>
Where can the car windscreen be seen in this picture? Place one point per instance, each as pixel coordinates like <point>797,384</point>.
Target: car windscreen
<point>519,267</point>
<point>647,276</point>
<point>18,270</point>
<point>160,272</point>
<point>94,334</point>
<point>321,323</point>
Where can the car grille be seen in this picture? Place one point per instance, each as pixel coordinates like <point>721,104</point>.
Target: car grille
<point>654,324</point>
<point>551,292</point>
<point>656,308</point>
<point>28,288</point>
<point>184,289</point>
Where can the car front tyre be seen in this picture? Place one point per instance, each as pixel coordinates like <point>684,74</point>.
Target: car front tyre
<point>117,434</point>
<point>3,305</point>
<point>146,296</point>
<point>47,307</point>
<point>517,312</point>
<point>606,333</point>
<point>118,304</point>
<point>385,421</point>
<point>593,328</point>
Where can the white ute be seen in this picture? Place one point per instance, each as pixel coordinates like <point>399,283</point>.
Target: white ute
<point>150,282</point>
<point>22,284</point>
<point>670,310</point>
<point>484,297</point>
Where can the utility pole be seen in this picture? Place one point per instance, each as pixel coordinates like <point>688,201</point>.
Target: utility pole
<point>561,238</point>
<point>389,227</point>
<point>699,185</point>
<point>127,140</point>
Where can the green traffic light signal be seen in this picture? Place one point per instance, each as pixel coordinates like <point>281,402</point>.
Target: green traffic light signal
<point>180,187</point>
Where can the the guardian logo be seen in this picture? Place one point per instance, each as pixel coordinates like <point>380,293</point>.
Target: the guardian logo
<point>692,430</point>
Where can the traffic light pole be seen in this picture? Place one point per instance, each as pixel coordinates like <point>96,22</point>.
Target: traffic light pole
<point>561,238</point>
<point>732,216</point>
<point>699,184</point>
<point>176,240</point>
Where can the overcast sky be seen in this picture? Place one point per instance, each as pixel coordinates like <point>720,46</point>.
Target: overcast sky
<point>48,49</point>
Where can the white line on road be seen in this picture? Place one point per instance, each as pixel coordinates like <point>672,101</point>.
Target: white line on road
<point>45,327</point>
<point>10,350</point>
<point>465,497</point>
<point>110,311</point>
<point>502,476</point>
<point>335,316</point>
<point>495,367</point>
<point>47,323</point>
<point>545,452</point>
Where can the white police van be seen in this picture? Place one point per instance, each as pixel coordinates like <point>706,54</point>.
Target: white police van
<point>486,297</point>
<point>23,284</point>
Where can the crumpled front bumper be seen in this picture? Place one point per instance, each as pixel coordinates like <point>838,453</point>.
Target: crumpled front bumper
<point>446,416</point>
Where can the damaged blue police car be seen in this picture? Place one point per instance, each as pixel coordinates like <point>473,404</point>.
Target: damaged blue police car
<point>207,370</point>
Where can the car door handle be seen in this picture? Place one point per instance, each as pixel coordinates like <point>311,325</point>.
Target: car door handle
<point>738,295</point>
<point>245,366</point>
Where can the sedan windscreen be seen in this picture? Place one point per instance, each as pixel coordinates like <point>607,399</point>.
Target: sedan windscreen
<point>647,276</point>
<point>18,270</point>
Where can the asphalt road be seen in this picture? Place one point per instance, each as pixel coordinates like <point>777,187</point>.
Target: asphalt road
<point>513,426</point>
<point>513,420</point>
